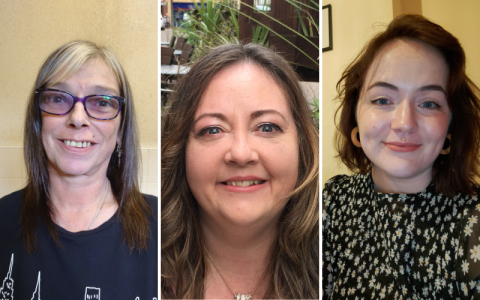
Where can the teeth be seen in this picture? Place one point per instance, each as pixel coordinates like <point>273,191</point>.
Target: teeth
<point>244,183</point>
<point>77,144</point>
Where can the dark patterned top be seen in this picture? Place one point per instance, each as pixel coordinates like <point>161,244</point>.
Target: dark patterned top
<point>398,246</point>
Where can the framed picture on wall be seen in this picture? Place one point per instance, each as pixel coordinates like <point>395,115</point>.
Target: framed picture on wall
<point>327,43</point>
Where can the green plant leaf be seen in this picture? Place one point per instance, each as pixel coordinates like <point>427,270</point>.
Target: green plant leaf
<point>279,35</point>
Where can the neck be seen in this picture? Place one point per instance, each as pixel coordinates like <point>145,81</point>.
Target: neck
<point>240,255</point>
<point>385,183</point>
<point>81,202</point>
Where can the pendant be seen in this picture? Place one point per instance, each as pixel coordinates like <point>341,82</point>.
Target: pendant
<point>243,296</point>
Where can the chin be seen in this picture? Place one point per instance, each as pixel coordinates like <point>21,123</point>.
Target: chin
<point>401,170</point>
<point>249,216</point>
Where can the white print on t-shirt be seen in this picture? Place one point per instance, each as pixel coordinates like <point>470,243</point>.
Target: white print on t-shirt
<point>6,291</point>
<point>91,293</point>
<point>36,293</point>
<point>138,298</point>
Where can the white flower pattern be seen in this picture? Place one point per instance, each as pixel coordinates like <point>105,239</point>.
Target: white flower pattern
<point>398,246</point>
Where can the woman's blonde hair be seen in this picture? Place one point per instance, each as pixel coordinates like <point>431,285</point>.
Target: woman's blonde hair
<point>123,175</point>
<point>294,260</point>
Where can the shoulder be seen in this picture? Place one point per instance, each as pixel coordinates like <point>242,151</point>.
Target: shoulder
<point>11,201</point>
<point>10,207</point>
<point>341,183</point>
<point>152,202</point>
<point>337,181</point>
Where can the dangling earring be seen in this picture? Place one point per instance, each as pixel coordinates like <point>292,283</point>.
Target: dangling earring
<point>355,136</point>
<point>446,145</point>
<point>119,152</point>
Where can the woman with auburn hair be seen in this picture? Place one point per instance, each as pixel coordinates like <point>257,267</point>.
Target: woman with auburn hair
<point>80,228</point>
<point>239,181</point>
<point>405,225</point>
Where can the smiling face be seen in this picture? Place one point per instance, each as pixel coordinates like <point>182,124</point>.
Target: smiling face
<point>403,115</point>
<point>242,152</point>
<point>94,139</point>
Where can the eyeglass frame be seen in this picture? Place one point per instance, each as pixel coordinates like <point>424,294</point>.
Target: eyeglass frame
<point>121,102</point>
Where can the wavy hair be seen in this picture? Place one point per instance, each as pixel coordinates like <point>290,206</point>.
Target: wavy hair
<point>123,175</point>
<point>295,259</point>
<point>451,173</point>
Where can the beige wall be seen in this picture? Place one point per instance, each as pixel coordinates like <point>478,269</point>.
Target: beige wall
<point>460,18</point>
<point>353,26</point>
<point>31,30</point>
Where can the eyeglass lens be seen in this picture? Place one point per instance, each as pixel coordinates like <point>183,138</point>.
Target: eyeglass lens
<point>59,103</point>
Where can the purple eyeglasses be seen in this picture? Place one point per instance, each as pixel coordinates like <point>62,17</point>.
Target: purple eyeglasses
<point>100,107</point>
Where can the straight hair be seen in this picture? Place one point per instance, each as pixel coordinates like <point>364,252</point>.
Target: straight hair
<point>123,174</point>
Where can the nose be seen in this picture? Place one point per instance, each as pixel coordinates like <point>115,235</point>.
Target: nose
<point>78,118</point>
<point>242,150</point>
<point>404,118</point>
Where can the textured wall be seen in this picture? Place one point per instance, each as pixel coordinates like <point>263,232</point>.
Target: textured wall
<point>31,30</point>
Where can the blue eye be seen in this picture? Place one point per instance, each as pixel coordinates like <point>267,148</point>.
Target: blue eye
<point>269,127</point>
<point>213,130</point>
<point>381,101</point>
<point>210,131</point>
<point>429,104</point>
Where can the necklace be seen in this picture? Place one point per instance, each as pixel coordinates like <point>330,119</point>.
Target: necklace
<point>237,296</point>
<point>97,211</point>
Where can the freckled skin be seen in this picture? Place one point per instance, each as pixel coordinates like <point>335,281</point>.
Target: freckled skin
<point>411,112</point>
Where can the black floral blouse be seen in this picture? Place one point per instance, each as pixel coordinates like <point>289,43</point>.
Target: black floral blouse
<point>398,246</point>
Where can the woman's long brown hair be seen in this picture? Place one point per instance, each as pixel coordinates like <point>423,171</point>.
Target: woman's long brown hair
<point>294,264</point>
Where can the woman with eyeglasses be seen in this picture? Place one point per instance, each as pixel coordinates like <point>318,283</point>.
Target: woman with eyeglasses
<point>80,229</point>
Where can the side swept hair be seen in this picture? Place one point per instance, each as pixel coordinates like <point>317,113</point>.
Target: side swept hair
<point>133,208</point>
<point>452,173</point>
<point>295,259</point>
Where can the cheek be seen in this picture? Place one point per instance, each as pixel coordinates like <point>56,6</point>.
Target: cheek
<point>48,128</point>
<point>436,128</point>
<point>198,165</point>
<point>371,125</point>
<point>282,163</point>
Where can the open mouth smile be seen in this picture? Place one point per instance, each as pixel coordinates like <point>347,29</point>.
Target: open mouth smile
<point>244,183</point>
<point>79,144</point>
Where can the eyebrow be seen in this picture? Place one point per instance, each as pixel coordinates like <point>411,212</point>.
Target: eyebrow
<point>430,87</point>
<point>260,113</point>
<point>254,115</point>
<point>211,115</point>
<point>98,89</point>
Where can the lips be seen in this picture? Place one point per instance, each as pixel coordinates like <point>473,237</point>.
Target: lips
<point>402,147</point>
<point>243,183</point>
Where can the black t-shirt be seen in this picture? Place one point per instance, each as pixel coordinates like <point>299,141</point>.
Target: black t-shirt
<point>92,264</point>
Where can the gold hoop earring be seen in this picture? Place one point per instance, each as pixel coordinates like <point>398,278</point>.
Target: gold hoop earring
<point>355,136</point>
<point>446,145</point>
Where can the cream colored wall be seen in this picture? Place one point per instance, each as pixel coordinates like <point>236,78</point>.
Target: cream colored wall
<point>460,18</point>
<point>353,23</point>
<point>31,30</point>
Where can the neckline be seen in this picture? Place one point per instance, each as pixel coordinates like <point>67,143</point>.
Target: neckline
<point>89,232</point>
<point>429,189</point>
